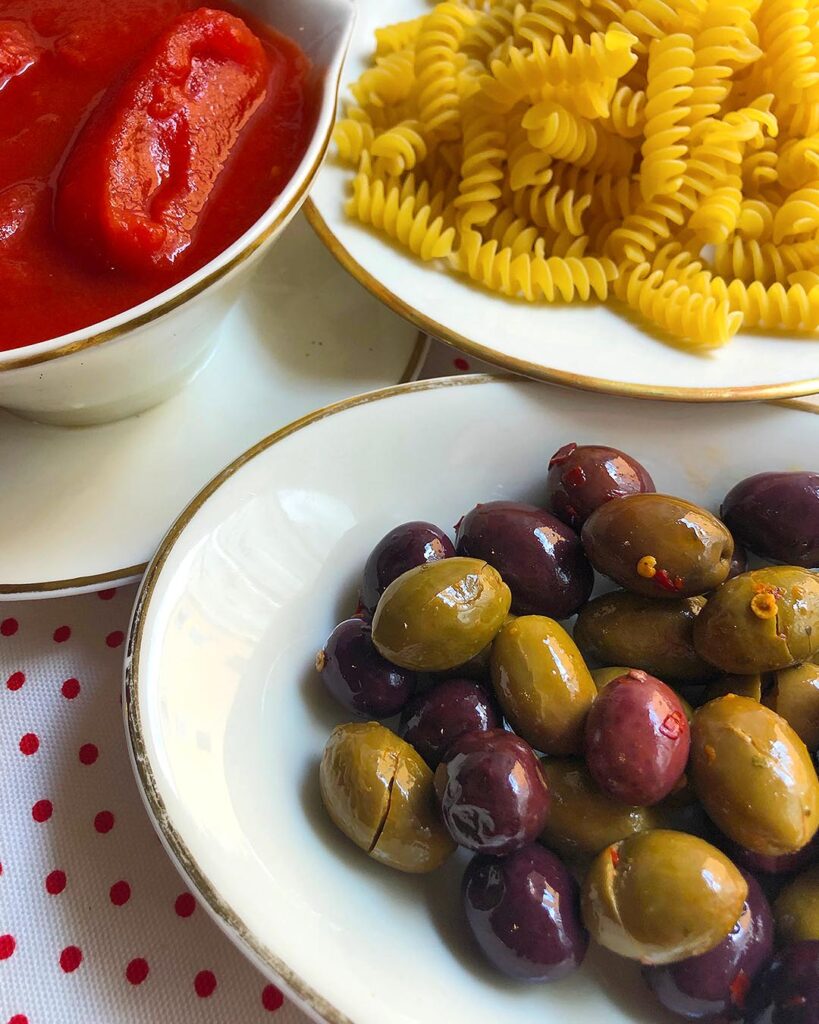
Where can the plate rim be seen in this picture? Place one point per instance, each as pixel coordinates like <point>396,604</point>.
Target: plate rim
<point>222,913</point>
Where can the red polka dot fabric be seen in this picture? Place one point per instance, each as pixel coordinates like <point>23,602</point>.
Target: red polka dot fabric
<point>96,925</point>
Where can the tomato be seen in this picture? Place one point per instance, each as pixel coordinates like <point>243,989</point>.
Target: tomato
<point>18,50</point>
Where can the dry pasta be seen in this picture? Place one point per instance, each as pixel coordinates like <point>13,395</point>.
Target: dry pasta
<point>663,153</point>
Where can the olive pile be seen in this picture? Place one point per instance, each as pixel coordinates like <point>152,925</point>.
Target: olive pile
<point>553,757</point>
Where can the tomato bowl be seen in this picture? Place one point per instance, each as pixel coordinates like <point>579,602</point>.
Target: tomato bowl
<point>136,359</point>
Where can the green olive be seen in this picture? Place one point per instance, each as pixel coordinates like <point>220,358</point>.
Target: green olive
<point>761,621</point>
<point>794,694</point>
<point>659,546</point>
<point>542,684</point>
<point>754,776</point>
<point>440,614</point>
<point>656,636</point>
<point>583,820</point>
<point>379,792</point>
<point>796,910</point>
<point>742,686</point>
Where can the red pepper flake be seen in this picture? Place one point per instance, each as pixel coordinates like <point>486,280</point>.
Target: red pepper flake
<point>562,454</point>
<point>615,856</point>
<point>662,579</point>
<point>739,989</point>
<point>575,477</point>
<point>672,725</point>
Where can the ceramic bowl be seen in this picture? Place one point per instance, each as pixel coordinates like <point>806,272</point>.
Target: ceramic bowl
<point>227,717</point>
<point>135,360</point>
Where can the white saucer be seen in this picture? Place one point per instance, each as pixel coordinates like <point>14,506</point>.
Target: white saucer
<point>83,508</point>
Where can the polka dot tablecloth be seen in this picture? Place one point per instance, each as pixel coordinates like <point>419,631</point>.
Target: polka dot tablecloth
<point>96,925</point>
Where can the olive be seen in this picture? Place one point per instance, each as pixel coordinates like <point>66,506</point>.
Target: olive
<point>403,548</point>
<point>433,720</point>
<point>357,675</point>
<point>637,739</point>
<point>776,515</point>
<point>788,991</point>
<point>794,694</point>
<point>754,776</point>
<point>797,908</point>
<point>620,628</point>
<point>492,792</point>
<point>704,987</point>
<point>524,911</point>
<point>440,614</point>
<point>659,546</point>
<point>542,683</point>
<point>583,478</point>
<point>760,621</point>
<point>786,864</point>
<point>540,558</point>
<point>662,896</point>
<point>739,561</point>
<point>742,686</point>
<point>583,820</point>
<point>380,794</point>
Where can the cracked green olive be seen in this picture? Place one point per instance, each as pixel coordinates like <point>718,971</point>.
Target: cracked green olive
<point>439,615</point>
<point>761,621</point>
<point>796,910</point>
<point>379,793</point>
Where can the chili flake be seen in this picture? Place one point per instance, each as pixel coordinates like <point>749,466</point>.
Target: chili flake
<point>763,605</point>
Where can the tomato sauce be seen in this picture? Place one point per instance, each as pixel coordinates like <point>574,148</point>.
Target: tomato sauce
<point>138,139</point>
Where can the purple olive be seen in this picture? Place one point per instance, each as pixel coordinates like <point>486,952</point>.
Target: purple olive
<point>785,864</point>
<point>524,910</point>
<point>788,992</point>
<point>435,719</point>
<point>776,515</point>
<point>717,982</point>
<point>492,792</point>
<point>582,479</point>
<point>540,559</point>
<point>739,561</point>
<point>359,677</point>
<point>403,548</point>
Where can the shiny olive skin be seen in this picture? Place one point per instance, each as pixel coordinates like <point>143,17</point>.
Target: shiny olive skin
<point>754,776</point>
<point>786,864</point>
<point>776,515</point>
<point>492,792</point>
<point>359,678</point>
<point>739,640</point>
<point>540,558</point>
<point>584,820</point>
<point>379,793</point>
<point>603,676</point>
<point>788,991</point>
<point>542,684</point>
<point>435,719</point>
<point>621,628</point>
<point>796,909</point>
<point>581,479</point>
<point>440,614</point>
<point>661,896</point>
<point>714,983</point>
<point>403,548</point>
<point>637,739</point>
<point>692,549</point>
<point>791,692</point>
<point>739,561</point>
<point>524,911</point>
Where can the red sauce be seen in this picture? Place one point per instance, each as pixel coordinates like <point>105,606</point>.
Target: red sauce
<point>138,139</point>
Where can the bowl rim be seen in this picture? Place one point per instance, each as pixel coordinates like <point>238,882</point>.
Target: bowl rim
<point>222,913</point>
<point>281,208</point>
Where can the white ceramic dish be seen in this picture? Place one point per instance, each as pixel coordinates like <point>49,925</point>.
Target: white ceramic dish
<point>589,347</point>
<point>84,508</point>
<point>227,719</point>
<point>135,360</point>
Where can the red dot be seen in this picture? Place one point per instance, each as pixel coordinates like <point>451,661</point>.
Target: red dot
<point>18,1018</point>
<point>119,893</point>
<point>104,821</point>
<point>272,998</point>
<point>61,634</point>
<point>460,363</point>
<point>88,753</point>
<point>70,958</point>
<point>204,983</point>
<point>185,904</point>
<point>115,639</point>
<point>55,882</point>
<point>70,688</point>
<point>8,627</point>
<point>29,744</point>
<point>106,595</point>
<point>1,869</point>
<point>16,680</point>
<point>137,970</point>
<point>41,811</point>
<point>7,946</point>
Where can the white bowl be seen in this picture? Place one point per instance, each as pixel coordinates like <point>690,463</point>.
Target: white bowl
<point>135,360</point>
<point>228,719</point>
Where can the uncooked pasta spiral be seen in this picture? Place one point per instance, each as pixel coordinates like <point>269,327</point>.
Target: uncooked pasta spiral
<point>627,112</point>
<point>400,148</point>
<point>670,64</point>
<point>792,308</point>
<point>392,38</point>
<point>435,66</point>
<point>799,214</point>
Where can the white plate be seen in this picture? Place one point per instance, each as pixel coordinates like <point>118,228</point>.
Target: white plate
<point>581,346</point>
<point>228,719</point>
<point>82,508</point>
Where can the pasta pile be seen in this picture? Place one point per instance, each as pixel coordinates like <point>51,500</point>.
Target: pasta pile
<point>663,151</point>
